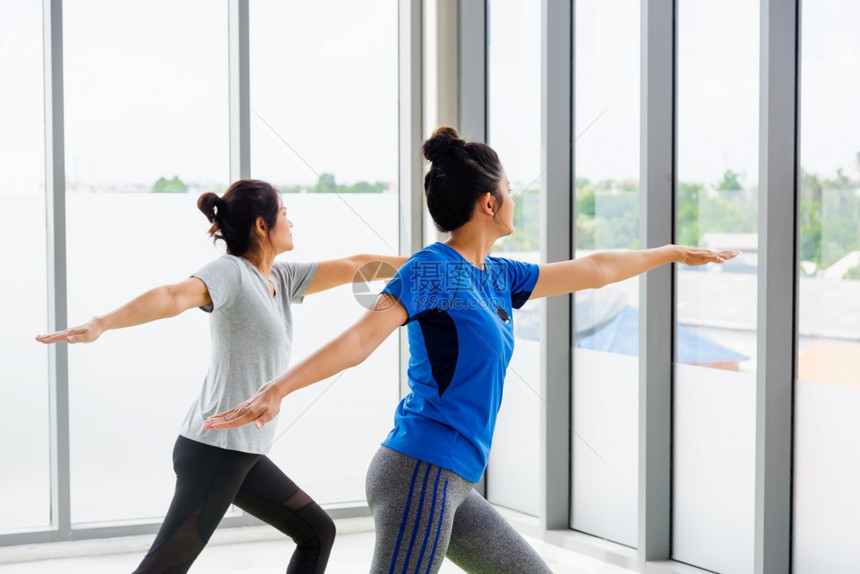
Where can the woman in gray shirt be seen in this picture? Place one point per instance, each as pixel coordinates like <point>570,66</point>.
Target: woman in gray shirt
<point>248,295</point>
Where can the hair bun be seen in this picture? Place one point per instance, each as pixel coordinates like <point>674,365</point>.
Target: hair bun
<point>441,143</point>
<point>207,204</point>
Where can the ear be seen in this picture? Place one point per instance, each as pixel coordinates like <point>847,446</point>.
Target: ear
<point>488,204</point>
<point>261,227</point>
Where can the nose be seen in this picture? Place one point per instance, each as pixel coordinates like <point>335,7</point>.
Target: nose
<point>290,222</point>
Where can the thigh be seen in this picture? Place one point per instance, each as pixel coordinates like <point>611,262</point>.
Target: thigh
<point>273,497</point>
<point>413,505</point>
<point>207,479</point>
<point>482,542</point>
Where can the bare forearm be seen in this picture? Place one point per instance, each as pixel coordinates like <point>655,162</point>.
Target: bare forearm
<point>347,350</point>
<point>157,303</point>
<point>614,266</point>
<point>364,258</point>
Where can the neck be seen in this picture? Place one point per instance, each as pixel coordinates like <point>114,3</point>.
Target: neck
<point>472,242</point>
<point>262,260</point>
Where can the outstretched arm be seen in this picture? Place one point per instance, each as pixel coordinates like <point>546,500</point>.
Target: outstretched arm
<point>352,269</point>
<point>347,350</point>
<point>159,303</point>
<point>599,269</point>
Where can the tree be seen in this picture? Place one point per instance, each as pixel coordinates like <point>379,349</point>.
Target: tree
<point>853,273</point>
<point>730,181</point>
<point>325,184</point>
<point>688,213</point>
<point>173,185</point>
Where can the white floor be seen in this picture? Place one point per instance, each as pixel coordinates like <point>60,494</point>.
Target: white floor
<point>232,554</point>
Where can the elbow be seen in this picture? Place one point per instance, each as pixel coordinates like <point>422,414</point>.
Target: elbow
<point>364,344</point>
<point>601,274</point>
<point>375,267</point>
<point>170,305</point>
<point>356,262</point>
<point>604,277</point>
<point>400,262</point>
<point>356,360</point>
<point>359,355</point>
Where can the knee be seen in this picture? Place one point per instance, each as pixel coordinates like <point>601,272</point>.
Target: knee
<point>321,532</point>
<point>328,531</point>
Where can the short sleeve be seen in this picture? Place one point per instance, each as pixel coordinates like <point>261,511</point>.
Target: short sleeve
<point>522,278</point>
<point>222,278</point>
<point>295,278</point>
<point>417,285</point>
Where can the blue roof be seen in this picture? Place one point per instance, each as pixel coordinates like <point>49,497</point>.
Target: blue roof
<point>620,335</point>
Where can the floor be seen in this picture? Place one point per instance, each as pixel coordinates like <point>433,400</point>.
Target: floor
<point>227,554</point>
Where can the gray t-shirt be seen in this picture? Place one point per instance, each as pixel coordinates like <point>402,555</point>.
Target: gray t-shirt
<point>252,335</point>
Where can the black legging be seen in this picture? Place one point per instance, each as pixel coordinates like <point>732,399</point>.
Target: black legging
<point>208,480</point>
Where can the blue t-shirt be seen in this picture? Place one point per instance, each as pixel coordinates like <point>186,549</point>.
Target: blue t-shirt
<point>461,336</point>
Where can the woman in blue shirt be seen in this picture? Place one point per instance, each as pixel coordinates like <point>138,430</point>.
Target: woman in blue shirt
<point>457,303</point>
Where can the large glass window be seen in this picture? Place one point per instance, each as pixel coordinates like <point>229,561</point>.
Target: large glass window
<point>514,104</point>
<point>606,321</point>
<point>25,490</point>
<point>715,343</point>
<point>146,133</point>
<point>324,130</point>
<point>827,396</point>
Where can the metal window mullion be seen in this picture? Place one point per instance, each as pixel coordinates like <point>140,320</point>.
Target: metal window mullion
<point>55,202</point>
<point>556,245</point>
<point>410,135</point>
<point>470,96</point>
<point>777,283</point>
<point>472,69</point>
<point>656,295</point>
<point>446,16</point>
<point>240,90</point>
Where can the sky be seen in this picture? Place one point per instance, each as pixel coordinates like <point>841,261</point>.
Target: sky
<point>146,94</point>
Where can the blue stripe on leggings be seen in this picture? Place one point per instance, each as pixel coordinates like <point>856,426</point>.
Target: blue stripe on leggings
<point>430,520</point>
<point>405,518</point>
<point>439,528</point>
<point>417,523</point>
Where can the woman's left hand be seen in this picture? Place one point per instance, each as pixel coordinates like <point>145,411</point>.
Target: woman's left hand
<point>259,409</point>
<point>694,257</point>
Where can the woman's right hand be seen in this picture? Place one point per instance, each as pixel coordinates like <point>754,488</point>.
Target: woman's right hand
<point>86,333</point>
<point>259,409</point>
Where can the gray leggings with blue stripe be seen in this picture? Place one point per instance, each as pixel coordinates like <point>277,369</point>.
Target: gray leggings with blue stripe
<point>424,513</point>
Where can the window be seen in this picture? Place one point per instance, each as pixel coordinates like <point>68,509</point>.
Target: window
<point>324,130</point>
<point>606,321</point>
<point>827,392</point>
<point>715,330</point>
<point>25,488</point>
<point>514,106</point>
<point>146,133</point>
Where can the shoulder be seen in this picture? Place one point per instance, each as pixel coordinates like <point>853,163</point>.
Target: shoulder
<point>294,277</point>
<point>501,264</point>
<point>433,252</point>
<point>226,264</point>
<point>293,269</point>
<point>224,278</point>
<point>512,273</point>
<point>508,264</point>
<point>436,252</point>
<point>429,260</point>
